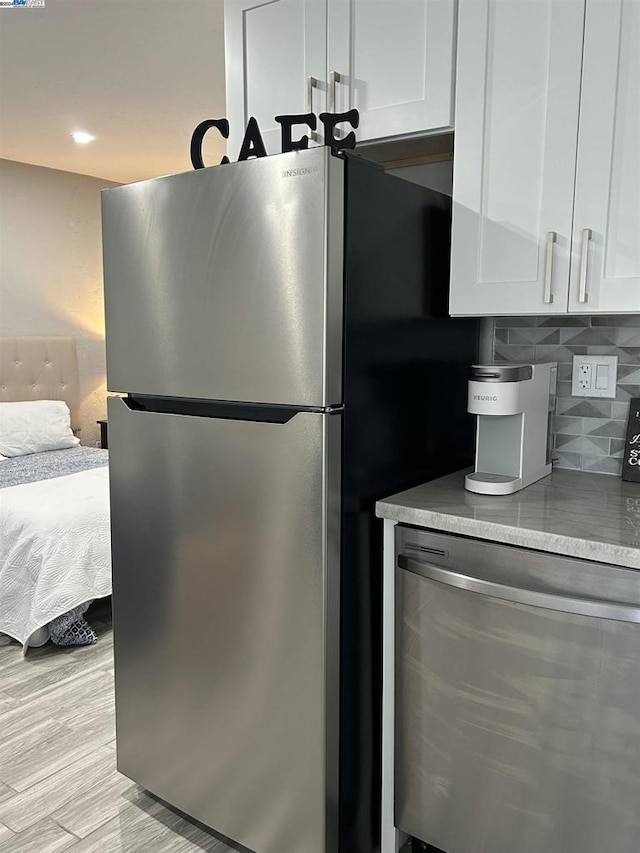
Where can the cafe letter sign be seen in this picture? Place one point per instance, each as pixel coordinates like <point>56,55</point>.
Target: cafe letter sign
<point>253,146</point>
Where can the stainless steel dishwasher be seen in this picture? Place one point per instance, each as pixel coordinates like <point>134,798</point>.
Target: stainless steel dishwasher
<point>517,698</point>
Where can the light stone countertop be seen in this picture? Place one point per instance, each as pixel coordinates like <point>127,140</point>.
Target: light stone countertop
<point>592,516</point>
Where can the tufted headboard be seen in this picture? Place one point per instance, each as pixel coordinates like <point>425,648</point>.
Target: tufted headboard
<point>40,369</point>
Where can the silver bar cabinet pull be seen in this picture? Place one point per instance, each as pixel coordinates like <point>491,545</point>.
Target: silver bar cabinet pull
<point>334,78</point>
<point>584,259</point>
<point>312,82</point>
<point>552,236</point>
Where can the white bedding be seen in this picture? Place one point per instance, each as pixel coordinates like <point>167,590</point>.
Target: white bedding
<point>55,550</point>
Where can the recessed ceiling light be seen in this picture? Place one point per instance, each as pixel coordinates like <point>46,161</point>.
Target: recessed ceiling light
<point>82,137</point>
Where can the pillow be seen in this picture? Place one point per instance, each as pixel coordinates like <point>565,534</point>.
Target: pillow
<point>33,426</point>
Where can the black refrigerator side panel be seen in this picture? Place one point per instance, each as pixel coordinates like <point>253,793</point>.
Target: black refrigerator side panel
<point>406,367</point>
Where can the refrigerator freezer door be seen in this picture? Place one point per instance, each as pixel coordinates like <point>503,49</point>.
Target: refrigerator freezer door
<point>226,283</point>
<point>226,538</point>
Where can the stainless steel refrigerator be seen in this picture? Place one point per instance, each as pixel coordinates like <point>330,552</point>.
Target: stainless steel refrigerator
<point>279,330</point>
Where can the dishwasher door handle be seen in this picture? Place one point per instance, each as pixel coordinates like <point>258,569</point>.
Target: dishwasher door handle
<point>598,608</point>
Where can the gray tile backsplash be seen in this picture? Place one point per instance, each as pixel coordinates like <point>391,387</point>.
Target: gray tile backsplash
<point>588,433</point>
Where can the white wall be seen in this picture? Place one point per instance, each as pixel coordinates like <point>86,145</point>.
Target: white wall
<point>51,269</point>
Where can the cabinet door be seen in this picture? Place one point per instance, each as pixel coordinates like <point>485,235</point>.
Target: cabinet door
<point>605,269</point>
<point>518,91</point>
<point>272,49</point>
<point>395,61</point>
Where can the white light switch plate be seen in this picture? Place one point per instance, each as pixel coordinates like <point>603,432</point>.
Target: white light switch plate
<point>594,376</point>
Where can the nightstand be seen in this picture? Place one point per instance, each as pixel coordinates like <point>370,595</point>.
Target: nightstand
<point>104,436</point>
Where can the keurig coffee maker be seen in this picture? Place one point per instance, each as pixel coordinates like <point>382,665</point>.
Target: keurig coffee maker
<point>514,405</point>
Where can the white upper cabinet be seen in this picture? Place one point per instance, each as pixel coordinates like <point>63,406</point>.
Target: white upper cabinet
<point>393,60</point>
<point>518,93</point>
<point>548,98</point>
<point>605,267</point>
<point>276,64</point>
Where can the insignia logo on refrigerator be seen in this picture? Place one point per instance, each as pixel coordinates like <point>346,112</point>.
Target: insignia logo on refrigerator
<point>253,144</point>
<point>291,173</point>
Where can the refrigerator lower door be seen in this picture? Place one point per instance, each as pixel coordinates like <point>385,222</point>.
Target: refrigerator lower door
<point>225,590</point>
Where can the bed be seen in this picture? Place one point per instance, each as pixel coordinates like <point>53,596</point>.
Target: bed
<point>54,505</point>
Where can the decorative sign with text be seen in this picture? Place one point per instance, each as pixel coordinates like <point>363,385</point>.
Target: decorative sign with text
<point>631,460</point>
<point>253,145</point>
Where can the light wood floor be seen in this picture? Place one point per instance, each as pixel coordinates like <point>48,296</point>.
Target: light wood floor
<point>59,787</point>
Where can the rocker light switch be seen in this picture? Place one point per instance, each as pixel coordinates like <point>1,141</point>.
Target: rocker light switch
<point>602,377</point>
<point>594,375</point>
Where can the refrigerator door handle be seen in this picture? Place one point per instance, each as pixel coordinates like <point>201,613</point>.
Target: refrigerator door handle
<point>223,409</point>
